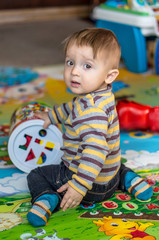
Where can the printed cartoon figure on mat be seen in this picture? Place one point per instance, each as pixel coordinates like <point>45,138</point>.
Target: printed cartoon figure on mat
<point>91,169</point>
<point>122,228</point>
<point>39,233</point>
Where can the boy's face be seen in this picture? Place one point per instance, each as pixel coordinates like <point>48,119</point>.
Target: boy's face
<point>82,73</point>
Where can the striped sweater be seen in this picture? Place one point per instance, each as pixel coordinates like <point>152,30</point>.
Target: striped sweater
<point>91,140</point>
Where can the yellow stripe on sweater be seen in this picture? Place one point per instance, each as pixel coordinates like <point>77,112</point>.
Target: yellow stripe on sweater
<point>71,133</point>
<point>93,110</point>
<point>113,160</point>
<point>83,182</point>
<point>96,140</point>
<point>77,189</point>
<point>93,126</point>
<point>106,101</point>
<point>112,130</point>
<point>89,169</point>
<point>54,116</point>
<point>111,146</point>
<point>94,152</point>
<point>107,178</point>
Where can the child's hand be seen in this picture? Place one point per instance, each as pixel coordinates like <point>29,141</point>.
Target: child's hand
<point>71,199</point>
<point>44,116</point>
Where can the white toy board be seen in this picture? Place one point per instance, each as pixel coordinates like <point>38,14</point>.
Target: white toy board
<point>29,144</point>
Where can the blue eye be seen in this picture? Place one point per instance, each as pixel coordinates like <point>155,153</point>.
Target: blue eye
<point>69,63</point>
<point>87,66</point>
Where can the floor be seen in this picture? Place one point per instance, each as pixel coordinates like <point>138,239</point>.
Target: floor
<point>34,44</point>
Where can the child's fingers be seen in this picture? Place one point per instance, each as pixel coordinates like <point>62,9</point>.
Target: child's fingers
<point>45,125</point>
<point>38,115</point>
<point>43,116</point>
<point>63,188</point>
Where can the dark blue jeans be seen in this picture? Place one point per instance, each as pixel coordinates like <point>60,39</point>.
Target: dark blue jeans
<point>47,179</point>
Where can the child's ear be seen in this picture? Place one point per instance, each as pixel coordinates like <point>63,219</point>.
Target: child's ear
<point>111,76</point>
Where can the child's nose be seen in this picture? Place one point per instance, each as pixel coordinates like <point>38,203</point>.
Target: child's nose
<point>75,70</point>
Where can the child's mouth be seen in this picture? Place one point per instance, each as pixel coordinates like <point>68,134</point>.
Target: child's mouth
<point>75,84</point>
<point>133,228</point>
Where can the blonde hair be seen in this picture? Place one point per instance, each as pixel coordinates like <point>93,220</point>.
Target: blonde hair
<point>100,40</point>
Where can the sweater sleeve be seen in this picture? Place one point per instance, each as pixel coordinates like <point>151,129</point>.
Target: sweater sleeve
<point>91,127</point>
<point>60,113</point>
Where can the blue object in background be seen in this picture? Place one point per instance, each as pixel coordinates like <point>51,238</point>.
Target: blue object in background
<point>132,42</point>
<point>157,57</point>
<point>118,85</point>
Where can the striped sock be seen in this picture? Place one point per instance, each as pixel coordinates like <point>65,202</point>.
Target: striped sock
<point>42,209</point>
<point>137,186</point>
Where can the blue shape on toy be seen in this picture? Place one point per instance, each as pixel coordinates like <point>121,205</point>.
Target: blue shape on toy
<point>10,76</point>
<point>90,206</point>
<point>132,42</point>
<point>42,133</point>
<point>112,3</point>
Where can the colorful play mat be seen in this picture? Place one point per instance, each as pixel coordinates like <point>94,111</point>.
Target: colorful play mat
<point>121,216</point>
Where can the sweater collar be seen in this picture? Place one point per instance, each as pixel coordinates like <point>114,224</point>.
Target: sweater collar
<point>102,91</point>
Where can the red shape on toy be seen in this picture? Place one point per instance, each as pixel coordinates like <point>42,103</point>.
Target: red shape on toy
<point>30,156</point>
<point>26,145</point>
<point>133,115</point>
<point>154,119</point>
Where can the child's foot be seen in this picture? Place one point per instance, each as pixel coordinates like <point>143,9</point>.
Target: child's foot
<point>137,186</point>
<point>42,209</point>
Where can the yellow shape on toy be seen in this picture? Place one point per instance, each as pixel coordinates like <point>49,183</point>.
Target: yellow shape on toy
<point>40,161</point>
<point>50,145</point>
<point>41,142</point>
